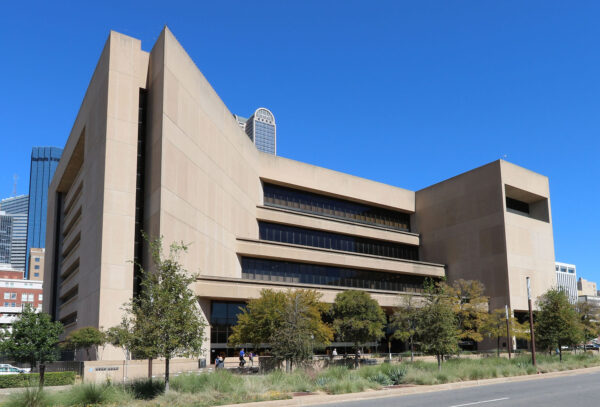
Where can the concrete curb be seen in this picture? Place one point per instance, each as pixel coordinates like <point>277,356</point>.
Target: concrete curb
<point>404,391</point>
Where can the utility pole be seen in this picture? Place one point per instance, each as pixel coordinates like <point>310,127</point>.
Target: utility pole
<point>508,338</point>
<point>531,322</point>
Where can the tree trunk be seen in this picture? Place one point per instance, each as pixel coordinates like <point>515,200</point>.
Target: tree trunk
<point>412,351</point>
<point>356,358</point>
<point>149,368</point>
<point>560,352</point>
<point>439,360</point>
<point>42,371</point>
<point>498,345</point>
<point>167,360</point>
<point>288,365</point>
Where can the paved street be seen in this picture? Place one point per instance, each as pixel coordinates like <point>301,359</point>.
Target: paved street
<point>572,391</point>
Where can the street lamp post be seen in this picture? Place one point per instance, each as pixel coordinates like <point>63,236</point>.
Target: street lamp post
<point>531,322</point>
<point>508,338</point>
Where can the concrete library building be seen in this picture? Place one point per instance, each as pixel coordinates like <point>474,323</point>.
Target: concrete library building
<point>153,148</point>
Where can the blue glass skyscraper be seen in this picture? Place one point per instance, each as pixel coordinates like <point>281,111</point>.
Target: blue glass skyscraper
<point>261,129</point>
<point>43,164</point>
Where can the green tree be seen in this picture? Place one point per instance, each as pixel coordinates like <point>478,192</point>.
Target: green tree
<point>589,317</point>
<point>495,327</point>
<point>33,339</point>
<point>165,315</point>
<point>259,321</point>
<point>404,322</point>
<point>291,322</point>
<point>557,323</point>
<point>470,306</point>
<point>122,336</point>
<point>85,338</point>
<point>437,330</point>
<point>357,318</point>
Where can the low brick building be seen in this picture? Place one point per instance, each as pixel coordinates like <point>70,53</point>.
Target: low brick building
<point>16,292</point>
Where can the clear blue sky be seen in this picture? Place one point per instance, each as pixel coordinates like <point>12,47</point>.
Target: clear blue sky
<point>403,92</point>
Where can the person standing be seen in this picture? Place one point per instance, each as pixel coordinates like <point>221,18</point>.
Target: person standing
<point>251,358</point>
<point>219,362</point>
<point>334,353</point>
<point>242,360</point>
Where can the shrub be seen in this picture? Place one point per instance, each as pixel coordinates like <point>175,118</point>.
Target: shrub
<point>336,373</point>
<point>396,373</point>
<point>93,394</point>
<point>324,381</point>
<point>220,381</point>
<point>349,385</point>
<point>30,379</point>
<point>31,397</point>
<point>146,389</point>
<point>298,381</point>
<point>380,378</point>
<point>442,377</point>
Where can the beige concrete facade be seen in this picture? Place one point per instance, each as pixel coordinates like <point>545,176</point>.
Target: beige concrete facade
<point>36,263</point>
<point>587,288</point>
<point>203,182</point>
<point>464,223</point>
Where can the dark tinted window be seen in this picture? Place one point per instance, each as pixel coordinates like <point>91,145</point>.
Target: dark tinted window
<point>517,205</point>
<point>303,273</point>
<point>334,241</point>
<point>303,201</point>
<point>223,315</point>
<point>69,319</point>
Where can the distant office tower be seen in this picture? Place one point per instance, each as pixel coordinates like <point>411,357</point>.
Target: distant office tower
<point>36,264</point>
<point>43,164</point>
<point>585,287</point>
<point>261,129</point>
<point>17,207</point>
<point>6,224</point>
<point>566,278</point>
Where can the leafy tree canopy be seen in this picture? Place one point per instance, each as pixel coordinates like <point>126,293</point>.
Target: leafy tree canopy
<point>404,320</point>
<point>557,323</point>
<point>589,316</point>
<point>290,322</point>
<point>85,338</point>
<point>437,329</point>
<point>357,317</point>
<point>122,335</point>
<point>165,318</point>
<point>33,339</point>
<point>495,327</point>
<point>470,306</point>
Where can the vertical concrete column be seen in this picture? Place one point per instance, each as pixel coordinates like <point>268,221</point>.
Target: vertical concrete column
<point>204,305</point>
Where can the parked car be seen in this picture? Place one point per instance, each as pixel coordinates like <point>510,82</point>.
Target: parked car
<point>592,346</point>
<point>10,369</point>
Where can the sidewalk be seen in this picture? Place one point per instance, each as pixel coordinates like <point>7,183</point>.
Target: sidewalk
<point>403,391</point>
